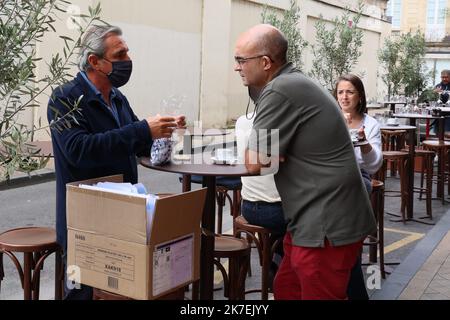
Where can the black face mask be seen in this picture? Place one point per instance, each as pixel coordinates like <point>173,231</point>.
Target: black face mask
<point>121,72</point>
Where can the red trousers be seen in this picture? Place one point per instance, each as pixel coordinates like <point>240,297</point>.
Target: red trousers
<point>315,273</point>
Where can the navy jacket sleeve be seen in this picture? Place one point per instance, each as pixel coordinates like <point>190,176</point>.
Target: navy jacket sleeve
<point>143,147</point>
<point>95,138</point>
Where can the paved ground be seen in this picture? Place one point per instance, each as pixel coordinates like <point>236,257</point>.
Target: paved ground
<point>432,281</point>
<point>28,204</point>
<point>425,273</point>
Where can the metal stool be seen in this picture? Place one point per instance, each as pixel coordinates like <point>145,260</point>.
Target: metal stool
<point>238,253</point>
<point>400,158</point>
<point>427,172</point>
<point>393,140</point>
<point>36,244</point>
<point>265,244</point>
<point>442,149</point>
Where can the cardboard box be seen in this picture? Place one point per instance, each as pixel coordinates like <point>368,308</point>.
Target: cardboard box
<point>108,242</point>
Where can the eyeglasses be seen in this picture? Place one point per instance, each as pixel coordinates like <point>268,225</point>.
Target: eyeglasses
<point>240,61</point>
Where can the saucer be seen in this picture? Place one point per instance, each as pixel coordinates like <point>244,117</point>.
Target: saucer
<point>395,124</point>
<point>228,161</point>
<point>181,157</point>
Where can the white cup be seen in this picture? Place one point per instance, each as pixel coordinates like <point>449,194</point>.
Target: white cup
<point>353,134</point>
<point>224,154</point>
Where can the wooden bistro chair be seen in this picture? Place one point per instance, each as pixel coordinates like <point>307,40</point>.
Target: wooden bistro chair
<point>400,158</point>
<point>265,244</point>
<point>393,140</point>
<point>36,244</point>
<point>377,239</point>
<point>441,148</point>
<point>238,253</point>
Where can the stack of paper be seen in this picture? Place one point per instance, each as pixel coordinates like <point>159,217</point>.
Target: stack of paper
<point>137,190</point>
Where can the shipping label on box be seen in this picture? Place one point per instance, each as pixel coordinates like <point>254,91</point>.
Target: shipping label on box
<point>115,264</point>
<point>172,264</point>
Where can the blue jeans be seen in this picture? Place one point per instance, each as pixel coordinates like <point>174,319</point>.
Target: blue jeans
<point>268,215</point>
<point>265,214</point>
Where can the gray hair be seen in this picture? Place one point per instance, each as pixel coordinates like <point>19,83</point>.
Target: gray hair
<point>445,71</point>
<point>94,43</point>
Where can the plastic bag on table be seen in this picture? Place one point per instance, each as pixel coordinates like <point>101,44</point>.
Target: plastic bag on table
<point>161,151</point>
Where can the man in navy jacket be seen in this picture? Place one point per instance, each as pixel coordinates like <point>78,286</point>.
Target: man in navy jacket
<point>443,88</point>
<point>106,136</point>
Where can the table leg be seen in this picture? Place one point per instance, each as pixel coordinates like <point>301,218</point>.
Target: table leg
<point>2,274</point>
<point>186,183</point>
<point>59,275</point>
<point>186,186</point>
<point>441,128</point>
<point>441,173</point>
<point>410,168</point>
<point>28,261</point>
<point>392,107</point>
<point>207,247</point>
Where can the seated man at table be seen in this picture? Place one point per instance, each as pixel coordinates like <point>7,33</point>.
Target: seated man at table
<point>261,203</point>
<point>443,88</point>
<point>104,136</point>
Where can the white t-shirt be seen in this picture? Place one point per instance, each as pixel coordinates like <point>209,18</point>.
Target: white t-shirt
<point>259,188</point>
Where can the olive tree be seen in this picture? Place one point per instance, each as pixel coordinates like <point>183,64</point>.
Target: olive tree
<point>288,25</point>
<point>23,25</point>
<point>402,58</point>
<point>337,48</point>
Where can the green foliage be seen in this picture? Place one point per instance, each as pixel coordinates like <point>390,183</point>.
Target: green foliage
<point>428,95</point>
<point>337,49</point>
<point>403,60</point>
<point>288,25</point>
<point>390,60</point>
<point>24,24</point>
<point>415,70</point>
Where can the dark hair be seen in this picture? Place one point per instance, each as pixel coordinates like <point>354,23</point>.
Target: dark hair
<point>357,83</point>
